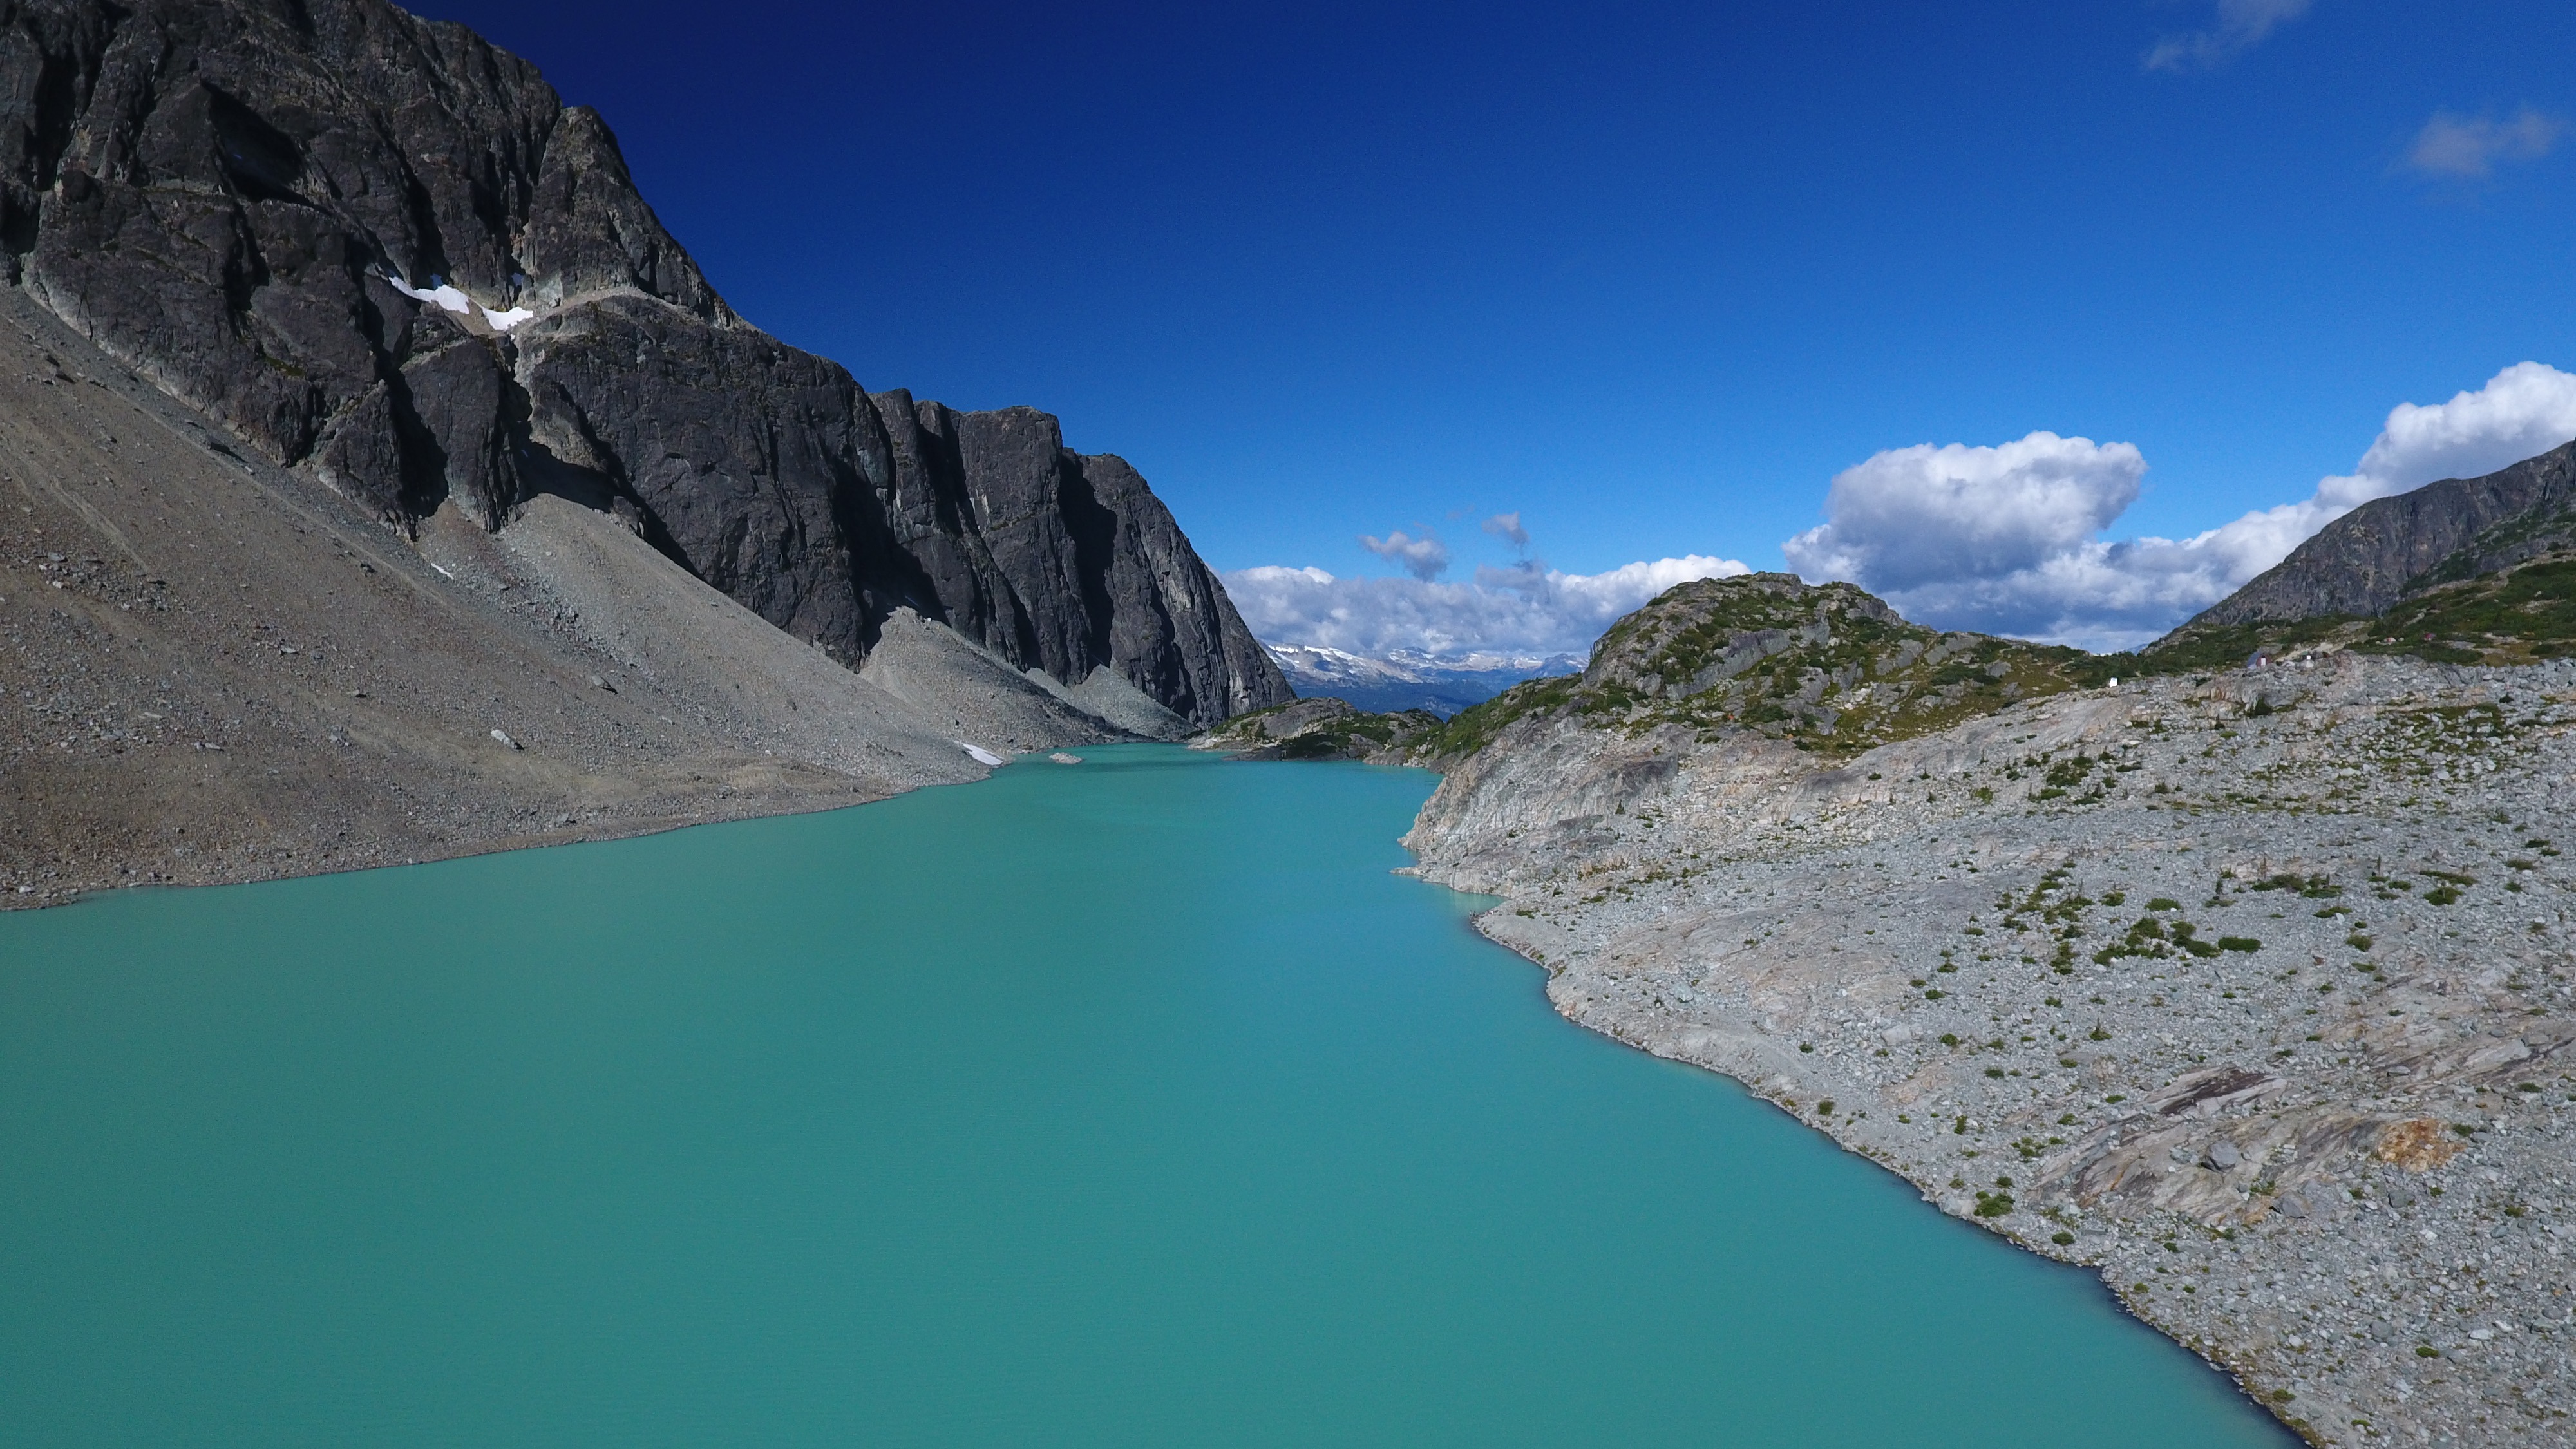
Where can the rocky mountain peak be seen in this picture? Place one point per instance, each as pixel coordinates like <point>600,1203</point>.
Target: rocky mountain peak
<point>382,251</point>
<point>1697,634</point>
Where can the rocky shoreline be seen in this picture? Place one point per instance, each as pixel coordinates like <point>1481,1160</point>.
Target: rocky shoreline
<point>2249,990</point>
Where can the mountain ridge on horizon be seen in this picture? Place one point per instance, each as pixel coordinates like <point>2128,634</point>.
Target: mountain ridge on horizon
<point>1403,679</point>
<point>2362,563</point>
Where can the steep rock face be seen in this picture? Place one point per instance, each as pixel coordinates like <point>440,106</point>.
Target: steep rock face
<point>2363,562</point>
<point>379,249</point>
<point>989,514</point>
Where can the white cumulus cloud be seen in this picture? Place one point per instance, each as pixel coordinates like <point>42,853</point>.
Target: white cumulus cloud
<point>1529,609</point>
<point>1912,516</point>
<point>2003,539</point>
<point>2525,410</point>
<point>1425,558</point>
<point>2470,146</point>
<point>1507,527</point>
<point>2238,27</point>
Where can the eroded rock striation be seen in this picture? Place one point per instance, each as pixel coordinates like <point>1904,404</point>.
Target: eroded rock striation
<point>382,251</point>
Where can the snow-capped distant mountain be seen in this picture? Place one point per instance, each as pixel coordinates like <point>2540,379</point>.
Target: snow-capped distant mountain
<point>1406,680</point>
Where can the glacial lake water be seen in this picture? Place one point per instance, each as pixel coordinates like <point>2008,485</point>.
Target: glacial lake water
<point>1131,1104</point>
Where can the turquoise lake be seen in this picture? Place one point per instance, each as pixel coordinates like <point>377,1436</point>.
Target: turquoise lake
<point>1134,1103</point>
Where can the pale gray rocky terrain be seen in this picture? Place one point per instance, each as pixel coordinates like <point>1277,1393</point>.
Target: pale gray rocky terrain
<point>2250,989</point>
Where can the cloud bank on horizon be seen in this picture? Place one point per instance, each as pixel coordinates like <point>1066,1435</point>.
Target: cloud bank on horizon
<point>1529,610</point>
<point>2003,539</point>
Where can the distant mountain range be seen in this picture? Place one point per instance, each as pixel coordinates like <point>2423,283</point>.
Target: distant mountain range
<point>1406,680</point>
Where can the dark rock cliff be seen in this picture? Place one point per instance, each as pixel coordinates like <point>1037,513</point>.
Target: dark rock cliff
<point>379,249</point>
<point>2366,561</point>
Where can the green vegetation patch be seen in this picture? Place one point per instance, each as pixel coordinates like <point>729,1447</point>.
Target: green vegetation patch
<point>1471,729</point>
<point>2513,617</point>
<point>2197,647</point>
<point>2314,887</point>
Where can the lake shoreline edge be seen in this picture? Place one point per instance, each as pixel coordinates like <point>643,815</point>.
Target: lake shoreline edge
<point>2247,991</point>
<point>1486,924</point>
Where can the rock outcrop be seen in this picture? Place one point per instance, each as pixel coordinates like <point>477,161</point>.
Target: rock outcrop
<point>1322,729</point>
<point>382,251</point>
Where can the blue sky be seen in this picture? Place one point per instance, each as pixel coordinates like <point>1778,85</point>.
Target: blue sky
<point>1649,277</point>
